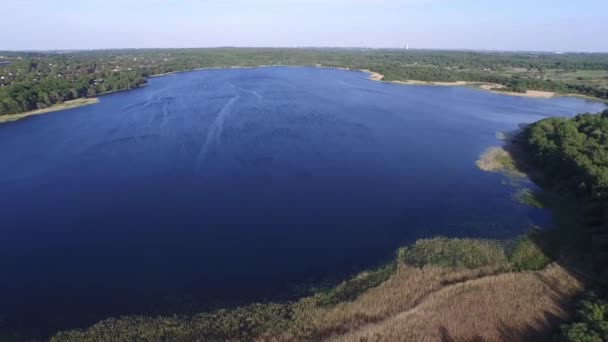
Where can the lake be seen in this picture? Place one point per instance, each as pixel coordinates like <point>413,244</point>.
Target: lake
<point>227,186</point>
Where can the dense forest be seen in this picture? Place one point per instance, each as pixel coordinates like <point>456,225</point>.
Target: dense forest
<point>33,80</point>
<point>572,155</point>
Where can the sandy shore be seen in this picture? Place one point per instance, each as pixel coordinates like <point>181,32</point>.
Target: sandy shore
<point>492,87</point>
<point>376,76</point>
<point>538,94</point>
<point>54,108</point>
<point>445,84</point>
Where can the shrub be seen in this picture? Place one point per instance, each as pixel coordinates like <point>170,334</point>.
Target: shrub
<point>352,288</point>
<point>592,324</point>
<point>527,255</point>
<point>242,323</point>
<point>467,253</point>
<point>527,197</point>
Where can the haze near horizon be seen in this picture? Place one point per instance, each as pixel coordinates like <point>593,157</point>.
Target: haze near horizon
<point>437,24</point>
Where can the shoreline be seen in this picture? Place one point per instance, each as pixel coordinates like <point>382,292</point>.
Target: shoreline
<point>54,108</point>
<point>378,77</point>
<point>489,87</point>
<point>81,102</point>
<point>372,75</point>
<point>121,90</point>
<point>423,274</point>
<point>426,278</point>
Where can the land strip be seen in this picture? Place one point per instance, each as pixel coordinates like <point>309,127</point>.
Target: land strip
<point>54,108</point>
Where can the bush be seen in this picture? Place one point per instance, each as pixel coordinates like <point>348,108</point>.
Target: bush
<point>592,324</point>
<point>527,255</point>
<point>242,323</point>
<point>527,197</point>
<point>467,253</point>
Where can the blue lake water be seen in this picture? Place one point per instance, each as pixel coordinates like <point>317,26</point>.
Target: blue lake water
<point>223,185</point>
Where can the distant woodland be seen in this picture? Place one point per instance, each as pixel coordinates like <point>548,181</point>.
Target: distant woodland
<point>36,80</point>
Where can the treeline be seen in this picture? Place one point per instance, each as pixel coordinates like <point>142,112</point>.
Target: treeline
<point>36,80</point>
<point>572,155</point>
<point>521,84</point>
<point>26,96</point>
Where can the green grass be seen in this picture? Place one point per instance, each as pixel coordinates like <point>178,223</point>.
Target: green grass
<point>589,77</point>
<point>239,324</point>
<point>508,165</point>
<point>527,197</point>
<point>497,159</point>
<point>467,253</point>
<point>527,255</point>
<point>522,254</point>
<point>352,288</point>
<point>249,322</point>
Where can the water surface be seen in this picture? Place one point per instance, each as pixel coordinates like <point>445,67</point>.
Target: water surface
<point>225,185</point>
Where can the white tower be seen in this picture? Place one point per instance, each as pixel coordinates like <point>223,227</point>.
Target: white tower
<point>407,47</point>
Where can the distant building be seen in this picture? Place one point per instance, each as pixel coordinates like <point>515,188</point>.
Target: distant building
<point>407,47</point>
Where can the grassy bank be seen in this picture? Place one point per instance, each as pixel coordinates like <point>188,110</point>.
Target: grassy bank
<point>498,159</point>
<point>567,157</point>
<point>54,108</point>
<point>565,238</point>
<point>419,271</point>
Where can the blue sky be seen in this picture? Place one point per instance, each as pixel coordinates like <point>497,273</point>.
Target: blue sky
<point>558,25</point>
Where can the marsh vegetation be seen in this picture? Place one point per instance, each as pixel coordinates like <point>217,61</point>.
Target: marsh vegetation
<point>424,274</point>
<point>498,159</point>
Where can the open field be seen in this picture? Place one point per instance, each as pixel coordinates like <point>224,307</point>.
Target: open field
<point>597,78</point>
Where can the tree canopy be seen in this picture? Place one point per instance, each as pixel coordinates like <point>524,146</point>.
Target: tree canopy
<point>33,80</point>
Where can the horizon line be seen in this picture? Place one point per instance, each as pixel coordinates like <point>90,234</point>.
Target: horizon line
<point>305,47</point>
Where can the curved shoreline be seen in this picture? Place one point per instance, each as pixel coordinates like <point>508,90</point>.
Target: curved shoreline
<point>373,76</point>
<point>376,76</point>
<point>54,108</point>
<point>490,87</point>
